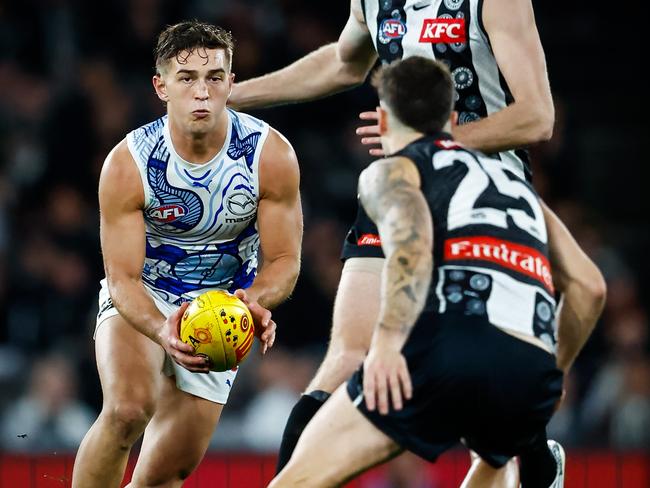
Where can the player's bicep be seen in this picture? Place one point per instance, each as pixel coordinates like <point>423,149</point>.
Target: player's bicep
<point>517,48</point>
<point>390,193</point>
<point>122,229</point>
<point>279,214</point>
<point>355,44</point>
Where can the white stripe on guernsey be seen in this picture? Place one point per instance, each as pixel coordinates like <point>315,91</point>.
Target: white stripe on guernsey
<point>439,293</point>
<point>415,20</point>
<point>371,11</point>
<point>489,85</point>
<point>485,64</point>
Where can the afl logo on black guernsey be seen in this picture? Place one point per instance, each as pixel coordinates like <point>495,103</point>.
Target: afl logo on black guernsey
<point>391,29</point>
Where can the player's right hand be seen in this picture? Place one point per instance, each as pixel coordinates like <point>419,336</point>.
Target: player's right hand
<point>385,371</point>
<point>370,133</point>
<point>264,326</point>
<point>179,351</point>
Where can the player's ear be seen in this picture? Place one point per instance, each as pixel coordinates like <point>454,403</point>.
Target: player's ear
<point>231,81</point>
<point>160,87</point>
<point>382,120</point>
<point>453,118</point>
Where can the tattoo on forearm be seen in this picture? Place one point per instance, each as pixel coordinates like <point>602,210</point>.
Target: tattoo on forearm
<point>400,211</point>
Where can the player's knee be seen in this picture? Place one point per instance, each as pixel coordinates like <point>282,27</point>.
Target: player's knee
<point>128,420</point>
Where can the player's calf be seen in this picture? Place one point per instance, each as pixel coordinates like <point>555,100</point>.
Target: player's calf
<point>301,414</point>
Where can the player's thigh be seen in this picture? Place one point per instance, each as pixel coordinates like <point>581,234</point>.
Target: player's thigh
<point>176,438</point>
<point>338,443</point>
<point>356,307</point>
<point>129,365</point>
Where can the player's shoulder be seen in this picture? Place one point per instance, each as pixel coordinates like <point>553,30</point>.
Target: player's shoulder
<point>119,158</point>
<point>390,171</point>
<point>243,119</point>
<point>279,168</point>
<point>119,175</point>
<point>149,130</point>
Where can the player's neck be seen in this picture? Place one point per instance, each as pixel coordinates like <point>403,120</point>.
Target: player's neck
<point>398,140</point>
<point>198,147</point>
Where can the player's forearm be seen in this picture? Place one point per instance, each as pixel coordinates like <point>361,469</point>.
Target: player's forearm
<point>136,306</point>
<point>582,286</point>
<point>405,283</point>
<point>583,299</point>
<point>316,75</point>
<point>406,234</point>
<point>518,125</point>
<point>579,311</point>
<point>275,281</point>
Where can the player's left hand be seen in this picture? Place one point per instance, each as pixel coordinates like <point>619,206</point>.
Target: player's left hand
<point>385,370</point>
<point>370,133</point>
<point>264,325</point>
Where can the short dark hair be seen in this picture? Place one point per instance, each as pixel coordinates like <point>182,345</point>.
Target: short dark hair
<point>189,36</point>
<point>418,91</point>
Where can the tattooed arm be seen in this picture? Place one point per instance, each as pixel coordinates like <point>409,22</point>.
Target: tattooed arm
<point>390,192</point>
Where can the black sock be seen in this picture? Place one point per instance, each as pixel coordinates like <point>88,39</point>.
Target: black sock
<point>300,416</point>
<point>537,466</point>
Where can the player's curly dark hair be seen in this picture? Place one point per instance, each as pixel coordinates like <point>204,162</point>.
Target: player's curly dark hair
<point>418,91</point>
<point>182,39</point>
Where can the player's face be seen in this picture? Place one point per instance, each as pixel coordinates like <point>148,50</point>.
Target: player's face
<point>196,88</point>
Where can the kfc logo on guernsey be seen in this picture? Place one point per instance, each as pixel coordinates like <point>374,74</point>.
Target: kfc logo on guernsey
<point>450,31</point>
<point>369,240</point>
<point>516,257</point>
<point>168,213</point>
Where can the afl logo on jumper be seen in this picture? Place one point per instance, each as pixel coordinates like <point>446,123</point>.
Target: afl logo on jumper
<point>451,31</point>
<point>391,29</point>
<point>168,213</point>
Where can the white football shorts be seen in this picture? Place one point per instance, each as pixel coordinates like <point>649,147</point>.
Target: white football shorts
<point>212,386</point>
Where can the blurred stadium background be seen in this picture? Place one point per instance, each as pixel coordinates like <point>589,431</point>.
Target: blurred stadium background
<point>75,77</point>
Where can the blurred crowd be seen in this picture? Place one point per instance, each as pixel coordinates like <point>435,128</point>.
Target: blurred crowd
<point>75,77</point>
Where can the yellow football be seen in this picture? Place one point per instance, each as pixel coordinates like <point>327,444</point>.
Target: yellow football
<point>219,326</point>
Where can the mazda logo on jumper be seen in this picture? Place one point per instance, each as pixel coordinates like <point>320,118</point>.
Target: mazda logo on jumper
<point>241,204</point>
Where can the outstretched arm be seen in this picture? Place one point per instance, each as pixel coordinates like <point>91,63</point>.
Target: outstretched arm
<point>390,192</point>
<point>328,70</point>
<point>510,25</point>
